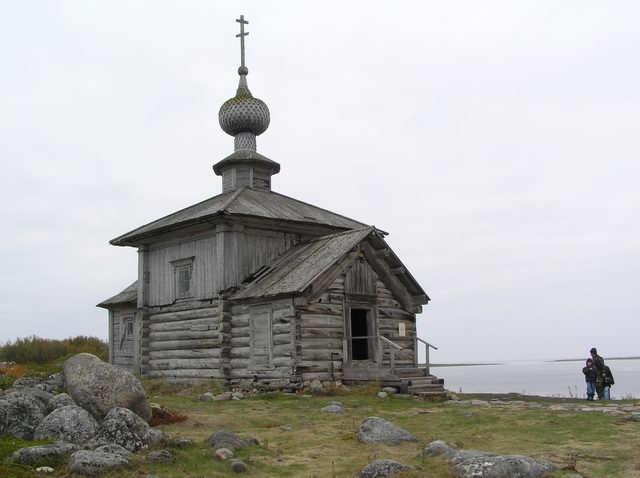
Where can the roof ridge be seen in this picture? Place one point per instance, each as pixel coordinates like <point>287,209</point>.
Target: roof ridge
<point>232,198</point>
<point>318,207</point>
<point>330,236</point>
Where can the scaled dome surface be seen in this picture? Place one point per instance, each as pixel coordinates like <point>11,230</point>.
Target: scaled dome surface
<point>244,113</point>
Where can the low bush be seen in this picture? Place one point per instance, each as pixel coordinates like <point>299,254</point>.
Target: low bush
<point>35,350</point>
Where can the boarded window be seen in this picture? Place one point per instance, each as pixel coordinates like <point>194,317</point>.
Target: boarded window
<point>182,278</point>
<point>261,337</point>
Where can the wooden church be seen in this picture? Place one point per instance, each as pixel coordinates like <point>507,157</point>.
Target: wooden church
<point>252,284</point>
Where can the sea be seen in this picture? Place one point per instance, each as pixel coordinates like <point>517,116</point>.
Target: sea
<point>536,377</point>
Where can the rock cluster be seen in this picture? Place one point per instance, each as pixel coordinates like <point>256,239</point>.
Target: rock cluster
<point>99,421</point>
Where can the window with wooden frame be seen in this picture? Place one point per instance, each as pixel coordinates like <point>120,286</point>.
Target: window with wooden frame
<point>183,278</point>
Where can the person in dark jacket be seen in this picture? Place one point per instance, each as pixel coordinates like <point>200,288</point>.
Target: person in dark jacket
<point>591,377</point>
<point>598,363</point>
<point>608,381</point>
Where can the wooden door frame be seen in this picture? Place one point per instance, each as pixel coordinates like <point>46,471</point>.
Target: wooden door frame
<point>372,330</point>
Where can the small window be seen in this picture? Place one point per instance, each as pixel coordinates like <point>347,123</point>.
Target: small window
<point>182,276</point>
<point>129,327</point>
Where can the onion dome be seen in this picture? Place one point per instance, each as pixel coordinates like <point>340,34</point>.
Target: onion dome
<point>244,117</point>
<point>243,113</point>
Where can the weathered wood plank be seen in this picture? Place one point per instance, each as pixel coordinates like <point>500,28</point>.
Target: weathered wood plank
<point>211,322</point>
<point>185,344</point>
<point>211,312</point>
<point>184,354</point>
<point>173,335</point>
<point>176,364</point>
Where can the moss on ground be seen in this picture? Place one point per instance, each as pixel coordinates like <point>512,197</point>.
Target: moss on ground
<point>325,445</point>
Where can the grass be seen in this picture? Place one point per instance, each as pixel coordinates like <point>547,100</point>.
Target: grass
<point>325,445</point>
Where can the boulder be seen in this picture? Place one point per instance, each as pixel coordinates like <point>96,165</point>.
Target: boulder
<point>227,439</point>
<point>98,387</point>
<point>332,409</point>
<point>116,431</point>
<point>42,454</point>
<point>27,382</point>
<point>223,397</point>
<point>160,456</point>
<point>382,394</point>
<point>20,414</point>
<point>70,424</point>
<point>113,448</point>
<point>92,463</point>
<point>60,400</point>
<point>40,395</point>
<point>206,397</point>
<point>133,422</point>
<point>377,430</point>
<point>382,468</point>
<point>471,463</point>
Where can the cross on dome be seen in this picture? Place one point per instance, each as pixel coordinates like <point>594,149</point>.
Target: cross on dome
<point>243,70</point>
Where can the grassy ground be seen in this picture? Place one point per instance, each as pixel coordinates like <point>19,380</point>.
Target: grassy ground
<point>325,445</point>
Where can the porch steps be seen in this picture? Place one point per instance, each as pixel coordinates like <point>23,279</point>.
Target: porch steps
<point>415,381</point>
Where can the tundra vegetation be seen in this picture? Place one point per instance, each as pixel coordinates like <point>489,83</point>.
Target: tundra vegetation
<point>296,439</point>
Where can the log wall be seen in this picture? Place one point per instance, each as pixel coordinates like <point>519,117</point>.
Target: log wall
<point>182,342</point>
<point>319,333</point>
<point>390,316</point>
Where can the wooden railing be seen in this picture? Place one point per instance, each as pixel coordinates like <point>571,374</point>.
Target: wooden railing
<point>393,348</point>
<point>427,345</point>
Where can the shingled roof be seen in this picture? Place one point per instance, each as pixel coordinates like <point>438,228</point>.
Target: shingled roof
<point>127,296</point>
<point>242,202</point>
<point>296,269</point>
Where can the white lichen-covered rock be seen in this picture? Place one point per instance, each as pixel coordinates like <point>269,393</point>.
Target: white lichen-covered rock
<point>41,454</point>
<point>20,414</point>
<point>98,387</point>
<point>58,401</point>
<point>377,430</point>
<point>471,463</point>
<point>70,424</point>
<point>116,431</point>
<point>44,469</point>
<point>332,409</point>
<point>93,463</point>
<point>113,448</point>
<point>133,422</point>
<point>382,468</point>
<point>153,436</point>
<point>160,456</point>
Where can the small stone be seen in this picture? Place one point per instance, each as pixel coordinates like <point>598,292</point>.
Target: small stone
<point>206,397</point>
<point>237,395</point>
<point>389,390</point>
<point>153,436</point>
<point>382,468</point>
<point>633,417</point>
<point>228,439</point>
<point>44,469</point>
<point>223,454</point>
<point>382,394</point>
<point>238,467</point>
<point>286,428</point>
<point>335,402</point>
<point>160,456</point>
<point>315,386</point>
<point>34,455</point>
<point>332,409</point>
<point>223,397</point>
<point>480,403</point>
<point>180,442</point>
<point>327,384</point>
<point>435,448</point>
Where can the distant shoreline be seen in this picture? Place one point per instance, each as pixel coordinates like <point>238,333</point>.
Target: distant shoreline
<point>463,364</point>
<point>606,358</point>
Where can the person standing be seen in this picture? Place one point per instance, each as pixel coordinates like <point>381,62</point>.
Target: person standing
<point>608,381</point>
<point>590,376</point>
<point>598,363</point>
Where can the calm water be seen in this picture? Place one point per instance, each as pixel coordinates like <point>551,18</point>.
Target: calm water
<point>558,379</point>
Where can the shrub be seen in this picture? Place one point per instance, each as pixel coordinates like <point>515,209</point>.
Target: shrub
<point>34,350</point>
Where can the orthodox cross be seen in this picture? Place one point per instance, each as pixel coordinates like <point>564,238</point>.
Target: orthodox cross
<point>242,34</point>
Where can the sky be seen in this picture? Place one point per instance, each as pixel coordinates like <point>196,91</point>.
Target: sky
<point>497,143</point>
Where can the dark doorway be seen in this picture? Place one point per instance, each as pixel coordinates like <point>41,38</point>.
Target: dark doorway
<point>359,328</point>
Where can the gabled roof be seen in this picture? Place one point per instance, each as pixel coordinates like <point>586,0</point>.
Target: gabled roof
<point>242,202</point>
<point>127,296</point>
<point>298,267</point>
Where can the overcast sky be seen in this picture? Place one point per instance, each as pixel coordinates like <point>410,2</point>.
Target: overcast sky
<point>497,143</point>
